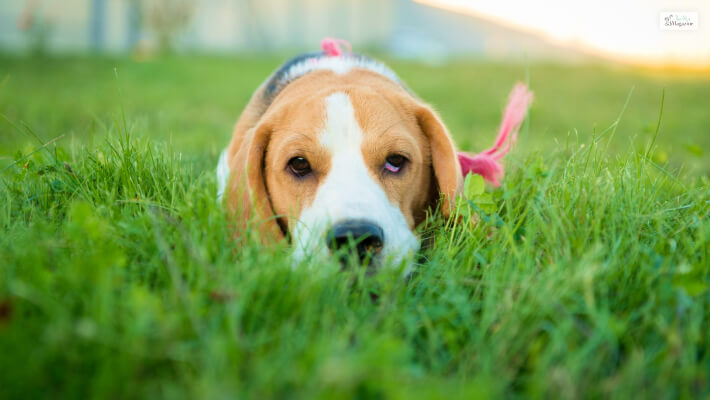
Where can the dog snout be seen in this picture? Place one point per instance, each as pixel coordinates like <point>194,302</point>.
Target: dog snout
<point>366,237</point>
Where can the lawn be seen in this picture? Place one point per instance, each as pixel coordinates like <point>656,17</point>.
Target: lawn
<point>118,277</point>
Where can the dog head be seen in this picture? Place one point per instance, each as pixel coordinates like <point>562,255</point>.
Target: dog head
<point>342,158</point>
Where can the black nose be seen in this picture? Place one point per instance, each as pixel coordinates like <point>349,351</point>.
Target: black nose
<point>366,237</point>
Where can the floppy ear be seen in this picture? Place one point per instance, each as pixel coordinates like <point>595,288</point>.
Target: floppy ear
<point>445,165</point>
<point>247,195</point>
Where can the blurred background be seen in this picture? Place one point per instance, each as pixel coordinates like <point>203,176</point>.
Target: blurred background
<point>184,68</point>
<point>430,30</point>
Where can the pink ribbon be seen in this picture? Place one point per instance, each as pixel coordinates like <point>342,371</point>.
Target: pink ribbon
<point>331,46</point>
<point>487,164</point>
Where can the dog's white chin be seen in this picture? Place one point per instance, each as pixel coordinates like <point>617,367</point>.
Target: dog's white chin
<point>401,259</point>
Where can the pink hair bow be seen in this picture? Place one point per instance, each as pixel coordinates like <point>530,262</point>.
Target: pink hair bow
<point>331,46</point>
<point>487,164</point>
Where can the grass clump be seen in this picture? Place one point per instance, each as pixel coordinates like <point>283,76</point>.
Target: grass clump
<point>585,275</point>
<point>590,278</point>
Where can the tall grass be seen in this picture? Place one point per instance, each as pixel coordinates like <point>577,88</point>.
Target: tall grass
<point>119,278</point>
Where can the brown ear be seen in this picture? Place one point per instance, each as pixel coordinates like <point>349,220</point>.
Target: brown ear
<point>447,170</point>
<point>247,196</point>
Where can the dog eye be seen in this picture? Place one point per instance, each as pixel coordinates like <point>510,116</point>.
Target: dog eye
<point>394,163</point>
<point>299,166</point>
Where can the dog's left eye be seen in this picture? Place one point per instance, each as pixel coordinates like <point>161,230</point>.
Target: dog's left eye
<point>394,163</point>
<point>299,166</point>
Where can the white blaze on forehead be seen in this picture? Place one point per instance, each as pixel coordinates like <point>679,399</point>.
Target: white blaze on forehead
<point>342,132</point>
<point>349,191</point>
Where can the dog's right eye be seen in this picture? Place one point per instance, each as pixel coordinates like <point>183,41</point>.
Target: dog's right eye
<point>299,166</point>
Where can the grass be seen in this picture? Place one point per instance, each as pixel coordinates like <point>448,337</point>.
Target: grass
<point>118,278</point>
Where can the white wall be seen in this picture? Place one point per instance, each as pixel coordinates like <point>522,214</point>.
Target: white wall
<point>217,25</point>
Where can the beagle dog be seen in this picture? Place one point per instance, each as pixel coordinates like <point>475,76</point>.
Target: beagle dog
<point>334,150</point>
